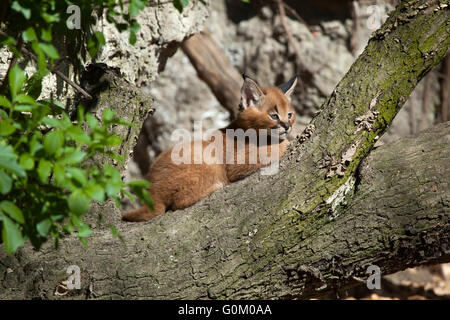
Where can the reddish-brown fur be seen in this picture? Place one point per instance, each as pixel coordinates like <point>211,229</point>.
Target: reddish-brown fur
<point>177,186</point>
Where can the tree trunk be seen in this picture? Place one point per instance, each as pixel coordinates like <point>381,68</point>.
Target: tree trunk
<point>313,227</point>
<point>111,91</point>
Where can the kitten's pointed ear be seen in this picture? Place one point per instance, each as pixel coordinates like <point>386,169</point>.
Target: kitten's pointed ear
<point>251,93</point>
<point>289,86</point>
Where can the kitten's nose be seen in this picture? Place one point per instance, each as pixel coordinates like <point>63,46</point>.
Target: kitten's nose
<point>285,125</point>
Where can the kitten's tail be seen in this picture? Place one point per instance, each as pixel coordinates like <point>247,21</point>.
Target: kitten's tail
<point>142,214</point>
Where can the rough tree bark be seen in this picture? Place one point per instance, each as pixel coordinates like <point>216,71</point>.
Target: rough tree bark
<point>313,227</point>
<point>130,104</point>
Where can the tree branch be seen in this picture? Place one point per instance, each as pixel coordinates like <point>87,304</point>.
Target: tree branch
<point>214,67</point>
<point>397,216</point>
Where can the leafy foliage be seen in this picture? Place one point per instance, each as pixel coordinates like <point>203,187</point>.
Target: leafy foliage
<point>47,182</point>
<point>180,4</point>
<point>48,175</point>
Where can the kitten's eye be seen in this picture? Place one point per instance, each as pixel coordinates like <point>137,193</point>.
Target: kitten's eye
<point>274,116</point>
<point>290,115</point>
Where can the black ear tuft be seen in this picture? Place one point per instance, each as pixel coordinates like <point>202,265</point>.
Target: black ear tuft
<point>289,86</point>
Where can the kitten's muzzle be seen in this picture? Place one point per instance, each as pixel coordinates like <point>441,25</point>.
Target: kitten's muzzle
<point>284,129</point>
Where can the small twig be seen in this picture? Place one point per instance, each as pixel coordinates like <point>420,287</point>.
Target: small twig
<point>61,75</point>
<point>296,15</point>
<point>291,41</point>
<point>58,62</point>
<point>73,84</point>
<point>154,3</point>
<point>56,72</point>
<point>303,70</point>
<point>355,28</point>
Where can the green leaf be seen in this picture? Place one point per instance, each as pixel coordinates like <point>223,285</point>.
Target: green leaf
<point>12,237</point>
<point>69,226</point>
<point>135,7</point>
<point>112,172</point>
<point>143,195</point>
<point>139,183</point>
<point>78,175</point>
<point>24,108</point>
<point>52,122</point>
<point>12,210</point>
<point>100,38</point>
<point>49,50</point>
<point>49,18</point>
<point>78,202</point>
<point>77,134</point>
<point>26,161</point>
<point>25,99</point>
<point>92,122</point>
<point>73,157</point>
<point>84,242</point>
<point>44,169</point>
<point>16,79</point>
<point>4,102</point>
<point>35,144</point>
<point>80,114</point>
<point>96,192</point>
<point>53,141</point>
<point>8,161</point>
<point>55,104</point>
<point>44,226</point>
<point>133,38</point>
<point>129,195</point>
<point>134,28</point>
<point>65,122</point>
<point>180,4</point>
<point>116,233</point>
<point>113,188</point>
<point>42,62</point>
<point>5,182</point>
<point>25,11</point>
<point>57,218</point>
<point>108,115</point>
<point>11,43</point>
<point>84,231</point>
<point>33,86</point>
<point>113,141</point>
<point>29,35</point>
<point>123,123</point>
<point>121,26</point>
<point>3,114</point>
<point>95,43</point>
<point>6,128</point>
<point>46,35</point>
<point>110,14</point>
<point>59,174</point>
